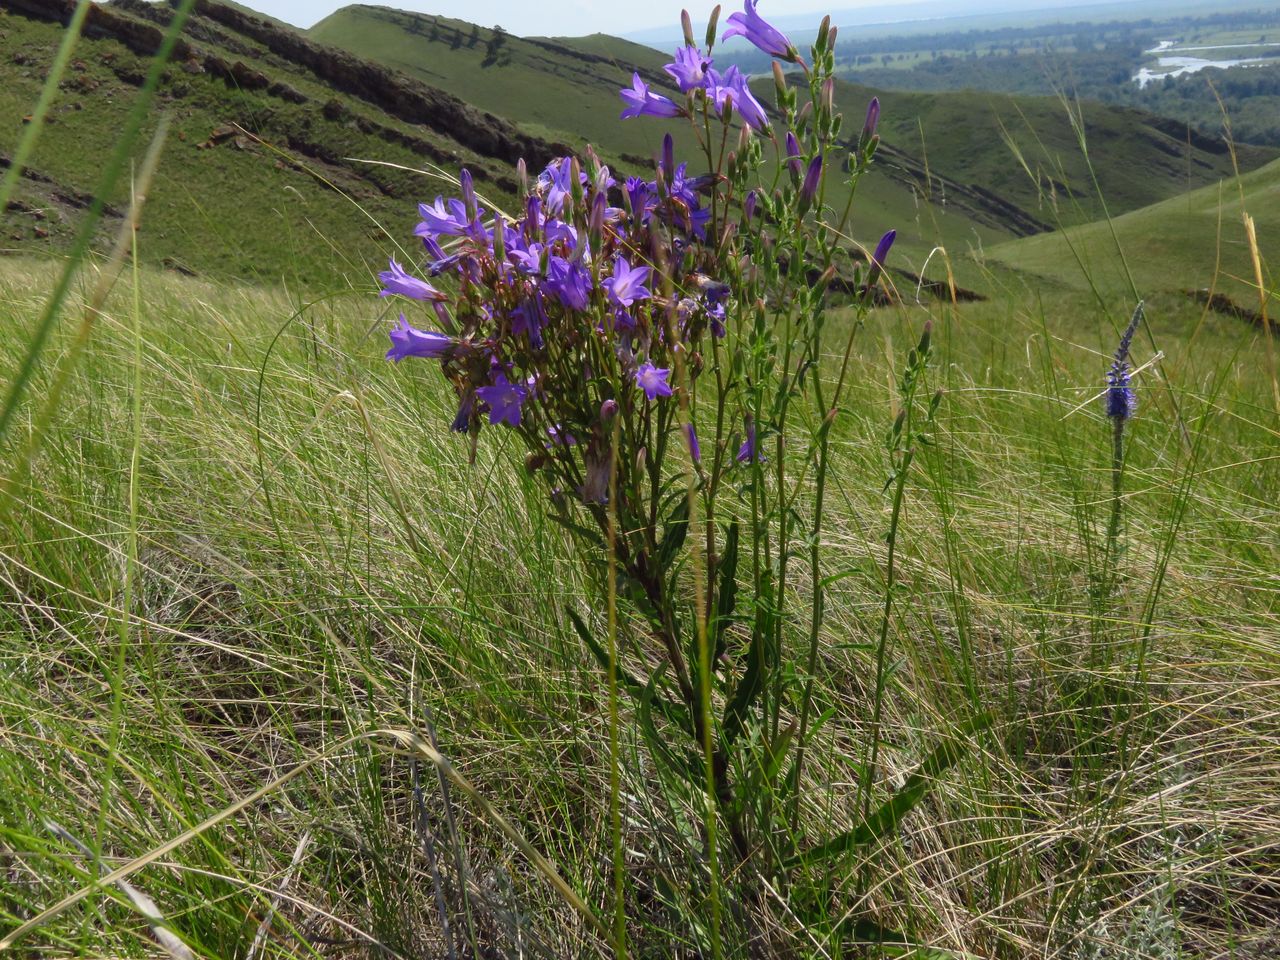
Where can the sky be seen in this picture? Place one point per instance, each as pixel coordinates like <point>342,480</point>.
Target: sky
<point>563,18</point>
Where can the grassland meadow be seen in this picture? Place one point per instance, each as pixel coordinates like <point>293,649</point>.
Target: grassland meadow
<point>645,569</point>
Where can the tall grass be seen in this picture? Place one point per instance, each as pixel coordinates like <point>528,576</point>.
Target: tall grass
<point>318,560</point>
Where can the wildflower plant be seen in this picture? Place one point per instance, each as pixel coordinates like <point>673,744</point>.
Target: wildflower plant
<point>656,343</point>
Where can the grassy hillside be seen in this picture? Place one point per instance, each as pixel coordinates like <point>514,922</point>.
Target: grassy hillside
<point>564,89</point>
<point>1192,241</point>
<point>257,181</point>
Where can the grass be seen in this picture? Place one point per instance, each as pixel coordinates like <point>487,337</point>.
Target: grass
<point>318,560</point>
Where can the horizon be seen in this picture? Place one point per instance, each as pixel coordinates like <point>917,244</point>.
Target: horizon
<point>586,17</point>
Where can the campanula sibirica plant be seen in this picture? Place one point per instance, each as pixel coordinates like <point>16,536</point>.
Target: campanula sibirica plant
<point>656,340</point>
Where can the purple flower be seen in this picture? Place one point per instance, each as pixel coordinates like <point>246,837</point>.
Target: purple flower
<point>766,37</point>
<point>748,452</point>
<point>1120,400</point>
<point>653,380</point>
<point>441,219</point>
<point>749,208</point>
<point>569,281</point>
<point>529,319</point>
<point>504,399</point>
<point>407,341</point>
<point>626,286</point>
<point>462,421</point>
<point>557,180</point>
<point>873,118</point>
<point>641,102</point>
<point>639,196</point>
<point>399,283</point>
<point>812,176</point>
<point>733,86</point>
<point>691,436</point>
<point>690,68</point>
<point>715,316</point>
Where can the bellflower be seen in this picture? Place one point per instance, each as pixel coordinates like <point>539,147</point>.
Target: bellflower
<point>399,283</point>
<point>408,341</point>
<point>570,282</point>
<point>732,85</point>
<point>642,102</point>
<point>504,399</point>
<point>748,453</point>
<point>626,286</point>
<point>441,219</point>
<point>759,32</point>
<point>653,380</point>
<point>689,69</point>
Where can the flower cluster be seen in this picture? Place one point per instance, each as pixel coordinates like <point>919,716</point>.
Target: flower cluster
<point>569,314</point>
<point>695,74</point>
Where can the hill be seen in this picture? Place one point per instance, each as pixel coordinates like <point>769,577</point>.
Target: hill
<point>257,180</point>
<point>948,174</point>
<point>1179,244</point>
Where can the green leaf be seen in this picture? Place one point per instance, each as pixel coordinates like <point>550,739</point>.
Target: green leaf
<point>885,820</point>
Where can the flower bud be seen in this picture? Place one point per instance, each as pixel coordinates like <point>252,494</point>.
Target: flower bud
<point>608,409</point>
<point>499,237</point>
<point>691,437</point>
<point>882,250</point>
<point>749,207</point>
<point>873,118</point>
<point>668,155</point>
<point>824,29</point>
<point>640,460</point>
<point>595,222</point>
<point>468,191</point>
<point>793,155</point>
<point>812,178</point>
<point>779,80</point>
<point>805,113</point>
<point>828,95</point>
<point>686,25</point>
<point>923,348</point>
<point>831,38</point>
<point>522,177</point>
<point>711,27</point>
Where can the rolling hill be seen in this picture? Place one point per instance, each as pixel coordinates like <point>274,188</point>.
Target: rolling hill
<point>1186,243</point>
<point>260,179</point>
<point>948,173</point>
